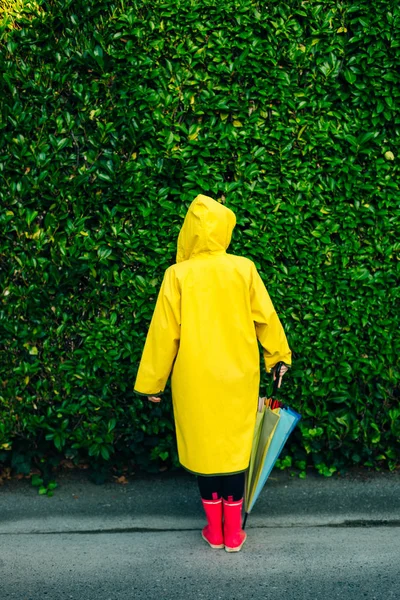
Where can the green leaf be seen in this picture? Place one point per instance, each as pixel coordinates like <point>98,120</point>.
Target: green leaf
<point>36,480</point>
<point>350,76</point>
<point>105,453</point>
<point>111,424</point>
<point>31,215</point>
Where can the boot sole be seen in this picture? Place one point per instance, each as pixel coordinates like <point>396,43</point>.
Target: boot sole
<point>215,546</point>
<point>237,549</point>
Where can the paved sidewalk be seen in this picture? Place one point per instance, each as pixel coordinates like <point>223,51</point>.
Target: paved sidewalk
<point>307,539</point>
<point>170,501</point>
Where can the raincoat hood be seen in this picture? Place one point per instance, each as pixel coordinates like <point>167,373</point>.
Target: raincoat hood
<point>207,228</point>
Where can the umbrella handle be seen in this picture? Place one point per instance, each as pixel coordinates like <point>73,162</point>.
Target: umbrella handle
<point>277,370</point>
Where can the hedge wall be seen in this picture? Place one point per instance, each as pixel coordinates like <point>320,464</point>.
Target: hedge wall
<point>115,115</point>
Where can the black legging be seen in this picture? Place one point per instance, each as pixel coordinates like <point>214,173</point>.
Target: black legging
<point>230,487</point>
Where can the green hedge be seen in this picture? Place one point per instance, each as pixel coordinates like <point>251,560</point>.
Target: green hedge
<point>115,115</point>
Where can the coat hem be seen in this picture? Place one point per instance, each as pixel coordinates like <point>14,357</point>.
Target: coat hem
<point>214,474</point>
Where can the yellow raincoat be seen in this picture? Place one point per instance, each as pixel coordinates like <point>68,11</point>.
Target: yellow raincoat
<point>211,308</point>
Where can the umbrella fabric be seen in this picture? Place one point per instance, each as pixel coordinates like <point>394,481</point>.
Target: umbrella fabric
<point>266,423</point>
<point>287,420</point>
<point>274,423</point>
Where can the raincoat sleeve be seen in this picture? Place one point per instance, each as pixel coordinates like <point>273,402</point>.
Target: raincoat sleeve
<point>162,340</point>
<point>269,330</point>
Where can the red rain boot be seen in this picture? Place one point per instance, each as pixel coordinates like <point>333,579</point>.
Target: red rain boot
<point>212,533</point>
<point>234,535</point>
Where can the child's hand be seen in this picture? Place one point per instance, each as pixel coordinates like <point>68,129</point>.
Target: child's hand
<point>283,370</point>
<point>153,399</point>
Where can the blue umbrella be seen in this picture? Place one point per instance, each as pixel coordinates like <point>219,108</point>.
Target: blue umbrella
<point>279,424</point>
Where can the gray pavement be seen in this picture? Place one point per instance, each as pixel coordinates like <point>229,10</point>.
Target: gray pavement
<point>314,538</point>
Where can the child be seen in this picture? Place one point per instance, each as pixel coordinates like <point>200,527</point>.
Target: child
<point>211,310</point>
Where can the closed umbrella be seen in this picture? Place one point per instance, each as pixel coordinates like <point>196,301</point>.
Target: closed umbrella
<point>274,424</point>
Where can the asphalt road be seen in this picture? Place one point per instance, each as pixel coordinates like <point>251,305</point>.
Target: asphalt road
<point>312,539</point>
<point>293,563</point>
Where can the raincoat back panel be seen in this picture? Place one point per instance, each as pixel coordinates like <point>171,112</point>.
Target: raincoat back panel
<point>215,377</point>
